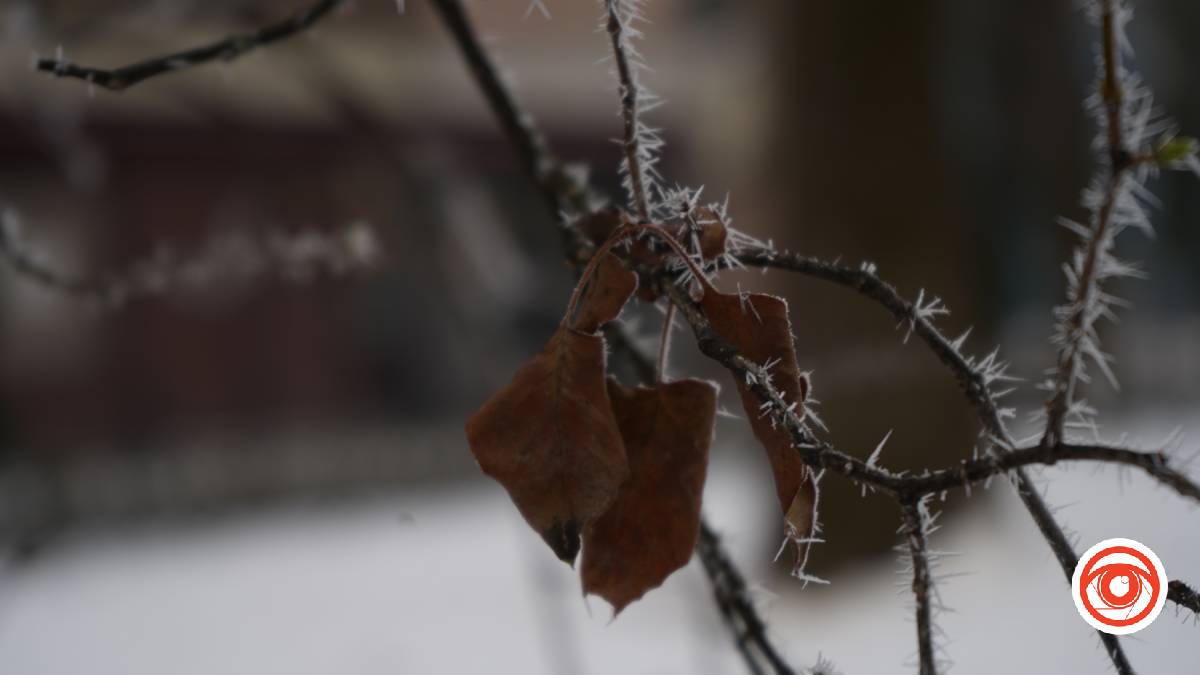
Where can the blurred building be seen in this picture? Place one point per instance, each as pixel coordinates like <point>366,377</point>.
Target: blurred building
<point>936,140</point>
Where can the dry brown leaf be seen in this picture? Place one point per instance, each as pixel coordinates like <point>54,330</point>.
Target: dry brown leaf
<point>759,327</point>
<point>609,288</point>
<point>550,438</point>
<point>651,528</point>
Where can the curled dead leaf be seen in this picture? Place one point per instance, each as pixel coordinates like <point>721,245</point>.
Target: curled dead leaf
<point>551,439</point>
<point>758,325</point>
<point>651,528</point>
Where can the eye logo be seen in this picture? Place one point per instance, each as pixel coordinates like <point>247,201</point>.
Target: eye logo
<point>1119,586</point>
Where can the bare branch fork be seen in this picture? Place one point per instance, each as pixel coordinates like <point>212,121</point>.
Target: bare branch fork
<point>227,49</point>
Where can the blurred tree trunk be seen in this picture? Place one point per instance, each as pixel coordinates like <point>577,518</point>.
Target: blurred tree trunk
<point>856,170</point>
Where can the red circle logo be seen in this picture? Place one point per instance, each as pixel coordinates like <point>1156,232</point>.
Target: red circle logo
<point>1119,586</point>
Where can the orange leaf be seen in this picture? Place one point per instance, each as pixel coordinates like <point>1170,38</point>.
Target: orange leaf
<point>550,438</point>
<point>759,327</point>
<point>609,289</point>
<point>651,528</point>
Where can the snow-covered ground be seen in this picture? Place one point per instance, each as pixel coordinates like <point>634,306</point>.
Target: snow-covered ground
<point>452,581</point>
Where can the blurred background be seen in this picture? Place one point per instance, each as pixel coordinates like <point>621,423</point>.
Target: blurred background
<point>255,475</point>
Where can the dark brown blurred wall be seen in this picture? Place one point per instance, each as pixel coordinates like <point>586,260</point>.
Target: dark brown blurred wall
<point>857,168</point>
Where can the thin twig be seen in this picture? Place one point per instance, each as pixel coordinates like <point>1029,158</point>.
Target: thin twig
<point>916,523</point>
<point>733,600</point>
<point>619,35</point>
<point>1077,328</point>
<point>227,49</point>
<point>17,254</point>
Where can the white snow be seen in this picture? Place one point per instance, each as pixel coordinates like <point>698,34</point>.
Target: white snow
<point>452,581</point>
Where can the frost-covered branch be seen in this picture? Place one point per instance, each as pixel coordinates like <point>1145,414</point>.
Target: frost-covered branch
<point>227,49</point>
<point>1130,145</point>
<point>975,377</point>
<point>228,259</point>
<point>640,142</point>
<point>1157,465</point>
<point>904,487</point>
<point>566,193</point>
<point>916,531</point>
<point>818,453</point>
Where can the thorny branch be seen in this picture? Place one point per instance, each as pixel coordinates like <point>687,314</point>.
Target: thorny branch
<point>818,453</point>
<point>916,527</point>
<point>974,379</point>
<point>620,32</point>
<point>119,79</point>
<point>565,194</point>
<point>1076,335</point>
<point>903,487</point>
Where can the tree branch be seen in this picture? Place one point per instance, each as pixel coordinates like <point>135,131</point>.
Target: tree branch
<point>636,149</point>
<point>562,193</point>
<point>818,453</point>
<point>1076,334</point>
<point>974,382</point>
<point>916,527</point>
<point>733,601</point>
<point>227,49</point>
<point>1154,464</point>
